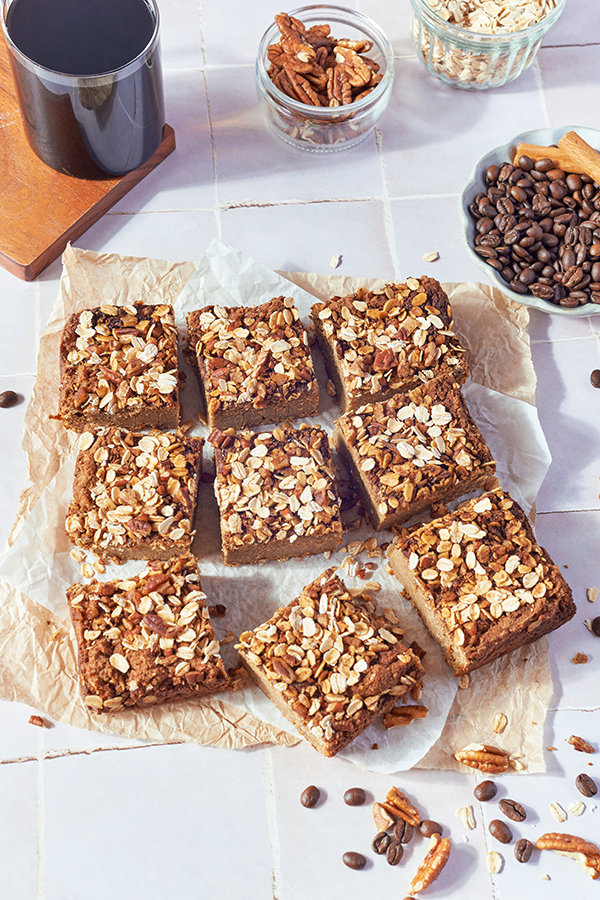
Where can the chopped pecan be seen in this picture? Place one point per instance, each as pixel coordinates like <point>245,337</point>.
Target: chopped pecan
<point>435,859</point>
<point>583,852</point>
<point>399,805</point>
<point>484,758</point>
<point>382,818</point>
<point>580,744</point>
<point>403,715</point>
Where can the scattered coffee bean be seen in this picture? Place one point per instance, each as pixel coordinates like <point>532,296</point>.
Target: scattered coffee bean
<point>429,827</point>
<point>523,850</point>
<point>394,852</point>
<point>380,843</point>
<point>403,831</point>
<point>485,790</point>
<point>354,797</point>
<point>500,831</point>
<point>310,796</point>
<point>595,378</point>
<point>354,860</point>
<point>512,810</point>
<point>8,398</point>
<point>596,626</point>
<point>586,785</point>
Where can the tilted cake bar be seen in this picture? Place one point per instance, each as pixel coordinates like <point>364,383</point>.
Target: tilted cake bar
<point>376,343</point>
<point>276,493</point>
<point>134,494</point>
<point>147,639</point>
<point>330,663</point>
<point>413,450</point>
<point>118,366</point>
<point>480,582</point>
<point>253,364</point>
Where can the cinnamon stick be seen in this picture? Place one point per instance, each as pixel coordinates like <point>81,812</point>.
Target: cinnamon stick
<point>582,154</point>
<point>572,154</point>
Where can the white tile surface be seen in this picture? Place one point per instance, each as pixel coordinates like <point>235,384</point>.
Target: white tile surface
<point>187,821</point>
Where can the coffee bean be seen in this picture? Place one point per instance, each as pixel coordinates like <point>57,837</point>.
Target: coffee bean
<point>595,378</point>
<point>512,810</point>
<point>586,785</point>
<point>429,827</point>
<point>380,843</point>
<point>354,797</point>
<point>354,860</point>
<point>485,790</point>
<point>403,831</point>
<point>394,852</point>
<point>523,850</point>
<point>500,831</point>
<point>8,398</point>
<point>310,796</point>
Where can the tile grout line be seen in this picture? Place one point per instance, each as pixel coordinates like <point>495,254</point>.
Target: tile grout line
<point>388,220</point>
<point>272,830</point>
<point>216,208</point>
<point>40,817</point>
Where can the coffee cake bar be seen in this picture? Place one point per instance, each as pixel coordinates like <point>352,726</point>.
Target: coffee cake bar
<point>134,494</point>
<point>413,450</point>
<point>480,582</point>
<point>376,343</point>
<point>276,493</point>
<point>147,639</point>
<point>118,366</point>
<point>330,663</point>
<point>253,364</point>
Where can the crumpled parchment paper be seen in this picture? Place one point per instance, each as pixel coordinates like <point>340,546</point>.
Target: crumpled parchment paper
<point>37,653</point>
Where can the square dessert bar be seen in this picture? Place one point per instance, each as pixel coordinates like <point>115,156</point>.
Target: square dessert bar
<point>480,582</point>
<point>147,639</point>
<point>413,450</point>
<point>134,494</point>
<point>376,343</point>
<point>330,663</point>
<point>276,493</point>
<point>118,366</point>
<point>253,364</point>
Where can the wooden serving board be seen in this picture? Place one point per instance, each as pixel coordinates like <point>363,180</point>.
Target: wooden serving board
<point>41,210</point>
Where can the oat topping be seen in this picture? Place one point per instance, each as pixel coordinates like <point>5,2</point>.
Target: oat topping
<point>123,358</point>
<point>332,657</point>
<point>145,638</point>
<point>479,564</point>
<point>131,487</point>
<point>277,485</point>
<point>251,355</point>
<point>393,338</point>
<point>414,446</point>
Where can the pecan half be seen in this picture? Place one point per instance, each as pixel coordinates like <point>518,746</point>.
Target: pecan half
<point>403,715</point>
<point>435,859</point>
<point>484,758</point>
<point>586,854</point>
<point>401,807</point>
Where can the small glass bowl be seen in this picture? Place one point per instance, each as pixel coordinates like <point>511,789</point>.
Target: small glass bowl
<point>323,129</point>
<point>472,60</point>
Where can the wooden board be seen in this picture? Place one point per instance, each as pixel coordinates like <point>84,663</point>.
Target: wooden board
<point>42,210</point>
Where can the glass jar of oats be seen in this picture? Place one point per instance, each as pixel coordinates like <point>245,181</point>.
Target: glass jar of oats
<point>480,44</point>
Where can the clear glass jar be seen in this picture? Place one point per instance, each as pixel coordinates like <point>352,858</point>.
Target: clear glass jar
<point>324,129</point>
<point>472,60</point>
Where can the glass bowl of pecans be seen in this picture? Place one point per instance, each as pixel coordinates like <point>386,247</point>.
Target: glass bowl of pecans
<point>324,77</point>
<point>480,44</point>
<point>530,219</point>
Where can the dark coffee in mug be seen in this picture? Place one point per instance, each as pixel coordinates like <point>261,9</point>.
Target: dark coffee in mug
<point>89,81</point>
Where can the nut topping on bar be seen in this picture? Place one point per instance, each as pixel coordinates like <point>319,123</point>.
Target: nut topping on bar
<point>332,660</point>
<point>122,358</point>
<point>145,639</point>
<point>275,486</point>
<point>133,488</point>
<point>391,339</point>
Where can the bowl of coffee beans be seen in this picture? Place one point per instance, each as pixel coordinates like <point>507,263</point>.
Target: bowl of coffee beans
<point>530,216</point>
